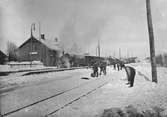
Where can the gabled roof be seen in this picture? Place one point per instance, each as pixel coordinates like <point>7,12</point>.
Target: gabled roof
<point>51,44</point>
<point>2,54</point>
<point>33,39</point>
<point>48,43</point>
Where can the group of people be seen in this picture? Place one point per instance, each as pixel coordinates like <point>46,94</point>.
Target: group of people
<point>96,66</point>
<point>118,65</point>
<point>130,71</point>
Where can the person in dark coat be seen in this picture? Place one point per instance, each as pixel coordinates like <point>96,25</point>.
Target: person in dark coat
<point>114,66</point>
<point>95,70</point>
<point>121,65</point>
<point>118,66</point>
<point>103,66</point>
<point>130,72</point>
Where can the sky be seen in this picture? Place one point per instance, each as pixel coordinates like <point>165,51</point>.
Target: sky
<point>116,23</point>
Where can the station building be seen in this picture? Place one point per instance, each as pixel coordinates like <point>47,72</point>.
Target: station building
<point>46,51</point>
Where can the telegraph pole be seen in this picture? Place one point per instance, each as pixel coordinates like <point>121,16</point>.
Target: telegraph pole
<point>151,41</point>
<point>30,52</point>
<point>31,42</point>
<point>127,56</point>
<point>114,54</point>
<point>99,48</point>
<point>39,30</point>
<point>96,51</point>
<point>119,53</point>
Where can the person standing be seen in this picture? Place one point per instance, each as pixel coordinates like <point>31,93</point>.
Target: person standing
<point>118,66</point>
<point>95,70</point>
<point>130,72</point>
<point>104,68</point>
<point>101,68</point>
<point>121,65</point>
<point>114,66</point>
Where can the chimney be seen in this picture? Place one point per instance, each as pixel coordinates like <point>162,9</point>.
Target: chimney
<point>43,36</point>
<point>56,39</point>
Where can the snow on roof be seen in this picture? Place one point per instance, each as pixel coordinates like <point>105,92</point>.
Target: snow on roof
<point>2,53</point>
<point>51,44</point>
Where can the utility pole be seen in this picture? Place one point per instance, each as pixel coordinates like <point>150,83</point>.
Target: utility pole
<point>40,46</point>
<point>31,43</point>
<point>96,51</point>
<point>39,31</point>
<point>30,51</point>
<point>119,53</point>
<point>151,41</point>
<point>99,47</point>
<point>114,54</point>
<point>127,53</point>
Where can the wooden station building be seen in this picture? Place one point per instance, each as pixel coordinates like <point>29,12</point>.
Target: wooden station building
<point>43,50</point>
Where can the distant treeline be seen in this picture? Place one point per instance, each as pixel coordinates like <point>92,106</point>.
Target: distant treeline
<point>161,60</point>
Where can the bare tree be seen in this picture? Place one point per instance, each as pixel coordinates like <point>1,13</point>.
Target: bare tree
<point>11,51</point>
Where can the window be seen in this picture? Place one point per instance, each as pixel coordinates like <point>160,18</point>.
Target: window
<point>34,47</point>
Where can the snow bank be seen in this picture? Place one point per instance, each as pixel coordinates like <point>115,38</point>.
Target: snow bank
<point>16,66</point>
<point>131,111</point>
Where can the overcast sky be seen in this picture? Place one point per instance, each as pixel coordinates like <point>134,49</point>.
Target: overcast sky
<point>117,23</point>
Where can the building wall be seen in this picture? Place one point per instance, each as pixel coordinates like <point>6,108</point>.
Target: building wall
<point>24,53</point>
<point>37,51</point>
<point>3,58</point>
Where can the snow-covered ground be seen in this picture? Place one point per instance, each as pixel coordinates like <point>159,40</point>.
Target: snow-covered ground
<point>17,66</point>
<point>15,80</point>
<point>143,96</point>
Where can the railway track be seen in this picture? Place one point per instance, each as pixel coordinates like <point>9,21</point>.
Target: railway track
<point>39,102</point>
<point>76,99</point>
<point>11,79</point>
